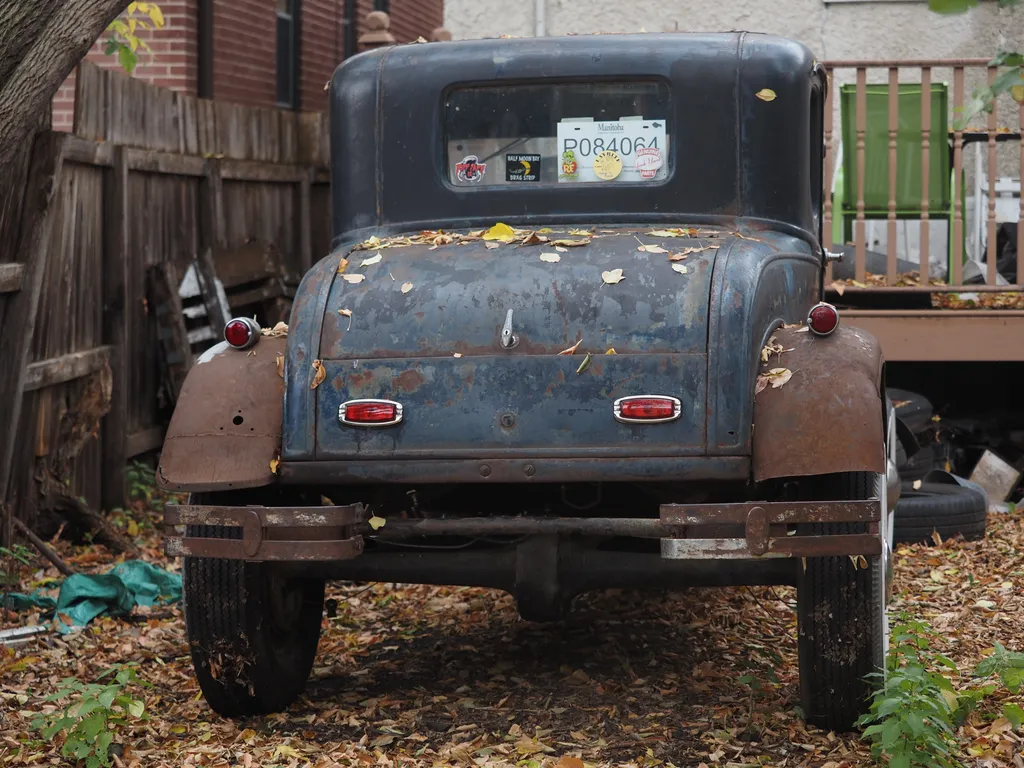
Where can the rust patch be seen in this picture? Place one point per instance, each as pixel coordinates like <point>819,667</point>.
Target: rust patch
<point>408,381</point>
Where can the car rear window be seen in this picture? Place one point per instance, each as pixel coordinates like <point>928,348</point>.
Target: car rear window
<point>558,133</point>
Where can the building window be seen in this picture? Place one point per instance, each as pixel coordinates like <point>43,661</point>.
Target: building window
<point>382,5</point>
<point>287,53</point>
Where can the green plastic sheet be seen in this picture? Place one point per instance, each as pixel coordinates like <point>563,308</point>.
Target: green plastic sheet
<point>83,597</point>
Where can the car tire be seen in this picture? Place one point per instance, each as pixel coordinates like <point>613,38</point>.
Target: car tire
<point>912,409</point>
<point>252,633</point>
<point>949,509</point>
<point>841,617</point>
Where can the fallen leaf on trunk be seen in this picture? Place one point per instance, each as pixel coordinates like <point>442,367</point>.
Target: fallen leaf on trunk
<point>571,349</point>
<point>457,354</point>
<point>611,351</point>
<point>492,246</point>
<point>372,260</point>
<point>274,464</point>
<point>319,374</point>
<point>280,365</point>
<point>644,248</point>
<point>581,232</point>
<point>499,231</point>
<point>533,239</point>
<point>584,365</point>
<point>569,243</point>
<point>406,287</point>
<point>680,268</point>
<point>687,251</point>
<point>347,313</point>
<point>354,279</point>
<point>838,287</point>
<point>766,94</point>
<point>551,258</point>
<point>613,276</point>
<point>342,266</point>
<point>771,348</point>
<point>376,522</point>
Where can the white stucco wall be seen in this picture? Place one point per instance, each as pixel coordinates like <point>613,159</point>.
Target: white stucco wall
<point>833,30</point>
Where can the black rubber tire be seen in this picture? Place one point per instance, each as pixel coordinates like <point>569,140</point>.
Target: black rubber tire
<point>914,410</point>
<point>840,617</point>
<point>250,657</point>
<point>951,510</point>
<point>930,456</point>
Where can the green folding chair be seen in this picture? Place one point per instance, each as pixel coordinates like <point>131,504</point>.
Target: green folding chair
<point>942,186</point>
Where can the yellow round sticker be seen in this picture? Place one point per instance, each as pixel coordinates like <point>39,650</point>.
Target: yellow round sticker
<point>607,165</point>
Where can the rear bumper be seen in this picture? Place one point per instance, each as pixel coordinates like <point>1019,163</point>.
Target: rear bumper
<point>328,534</point>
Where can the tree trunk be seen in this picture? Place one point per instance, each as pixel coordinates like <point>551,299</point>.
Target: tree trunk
<point>41,42</point>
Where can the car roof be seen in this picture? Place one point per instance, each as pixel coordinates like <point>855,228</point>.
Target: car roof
<point>746,156</point>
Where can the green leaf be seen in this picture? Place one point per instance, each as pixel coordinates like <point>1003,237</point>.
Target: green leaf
<point>127,58</point>
<point>891,731</point>
<point>107,696</point>
<point>1013,679</point>
<point>916,724</point>
<point>899,761</point>
<point>93,725</point>
<point>136,708</point>
<point>1014,714</point>
<point>103,744</point>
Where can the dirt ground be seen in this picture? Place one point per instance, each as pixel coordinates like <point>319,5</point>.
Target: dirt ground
<point>427,676</point>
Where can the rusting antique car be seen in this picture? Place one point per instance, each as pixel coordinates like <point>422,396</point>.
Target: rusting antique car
<point>569,338</point>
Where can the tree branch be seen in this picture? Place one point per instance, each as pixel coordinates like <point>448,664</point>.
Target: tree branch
<point>42,42</point>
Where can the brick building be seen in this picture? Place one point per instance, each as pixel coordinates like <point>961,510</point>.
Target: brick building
<point>266,53</point>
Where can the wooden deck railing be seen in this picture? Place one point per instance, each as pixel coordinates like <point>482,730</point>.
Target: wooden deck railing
<point>983,128</point>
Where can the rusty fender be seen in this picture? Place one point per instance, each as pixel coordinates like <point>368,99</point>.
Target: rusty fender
<point>226,427</point>
<point>829,416</point>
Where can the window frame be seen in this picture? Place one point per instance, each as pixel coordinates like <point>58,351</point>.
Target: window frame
<point>292,17</point>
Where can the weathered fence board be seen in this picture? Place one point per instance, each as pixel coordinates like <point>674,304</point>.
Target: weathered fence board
<point>150,180</point>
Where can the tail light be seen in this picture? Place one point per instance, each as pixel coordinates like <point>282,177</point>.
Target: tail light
<point>370,413</point>
<point>647,409</point>
<point>823,319</point>
<point>242,332</point>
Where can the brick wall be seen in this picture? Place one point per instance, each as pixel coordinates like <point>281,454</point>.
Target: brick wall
<point>245,45</point>
<point>172,63</point>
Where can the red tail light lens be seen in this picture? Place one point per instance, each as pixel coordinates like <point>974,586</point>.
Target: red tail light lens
<point>370,413</point>
<point>823,319</point>
<point>647,409</point>
<point>241,333</point>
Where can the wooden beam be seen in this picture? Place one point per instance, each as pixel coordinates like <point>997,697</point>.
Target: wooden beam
<point>153,161</point>
<point>38,214</point>
<point>115,330</point>
<point>58,370</point>
<point>945,336</point>
<point>88,152</point>
<point>145,441</point>
<point>251,170</point>
<point>11,276</point>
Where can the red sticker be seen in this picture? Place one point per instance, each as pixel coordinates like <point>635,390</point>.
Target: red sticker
<point>648,162</point>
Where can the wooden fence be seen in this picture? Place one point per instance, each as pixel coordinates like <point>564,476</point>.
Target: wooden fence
<point>149,177</point>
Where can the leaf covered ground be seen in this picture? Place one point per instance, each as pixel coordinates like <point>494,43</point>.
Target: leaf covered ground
<point>431,676</point>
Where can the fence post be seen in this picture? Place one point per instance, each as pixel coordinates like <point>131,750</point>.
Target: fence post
<point>115,331</point>
<point>38,213</point>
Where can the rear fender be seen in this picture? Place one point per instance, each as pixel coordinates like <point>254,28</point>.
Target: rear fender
<point>829,417</point>
<point>226,427</point>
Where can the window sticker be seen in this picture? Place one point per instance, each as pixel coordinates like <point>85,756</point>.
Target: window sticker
<point>628,149</point>
<point>522,167</point>
<point>470,169</point>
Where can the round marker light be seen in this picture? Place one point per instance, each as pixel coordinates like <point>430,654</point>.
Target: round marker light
<point>823,319</point>
<point>241,333</point>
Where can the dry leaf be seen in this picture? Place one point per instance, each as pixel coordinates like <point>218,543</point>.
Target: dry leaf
<point>569,762</point>
<point>545,230</point>
<point>560,249</point>
<point>372,260</point>
<point>499,231</point>
<point>776,377</point>
<point>376,522</point>
<point>917,485</point>
<point>571,349</point>
<point>551,258</point>
<point>533,239</point>
<point>345,312</point>
<point>805,329</point>
<point>680,268</point>
<point>766,94</point>
<point>280,365</point>
<point>581,232</point>
<point>611,351</point>
<point>687,251</point>
<point>354,279</point>
<point>838,287</point>
<point>651,249</point>
<point>281,329</point>
<point>613,276</point>
<point>406,287</point>
<point>457,354</point>
<point>584,365</point>
<point>771,348</point>
<point>319,374</point>
<point>492,245</point>
<point>274,464</point>
<point>342,265</point>
<point>570,243</point>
